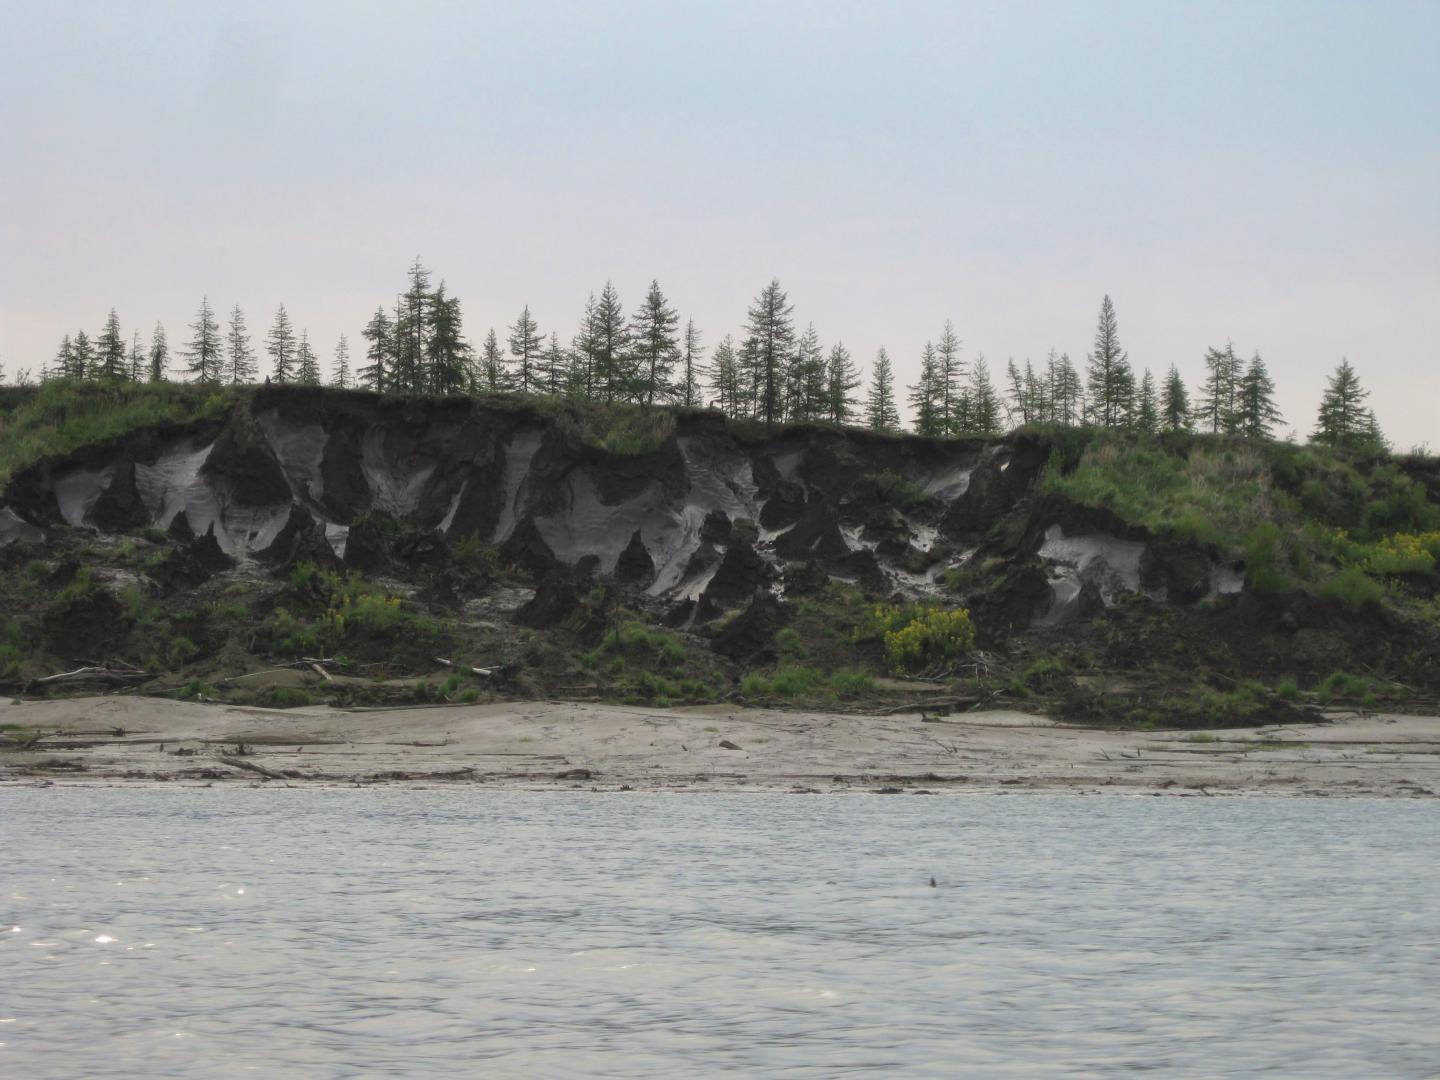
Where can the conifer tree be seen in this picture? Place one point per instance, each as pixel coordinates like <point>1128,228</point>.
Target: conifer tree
<point>1018,404</point>
<point>203,353</point>
<point>611,374</point>
<point>64,363</point>
<point>692,363</point>
<point>379,337</point>
<point>1037,395</point>
<point>1219,398</point>
<point>410,332</point>
<point>983,404</point>
<point>654,333</point>
<point>110,362</point>
<point>949,376</point>
<point>554,367</point>
<point>1258,413</point>
<point>926,397</point>
<point>1146,415</point>
<point>340,370</point>
<point>447,354</point>
<point>280,344</point>
<point>1175,402</point>
<point>137,359</point>
<point>239,356</point>
<point>881,413</point>
<point>1112,383</point>
<point>1344,421</point>
<point>804,395</point>
<point>159,354</point>
<point>307,364</point>
<point>587,347</point>
<point>525,343</point>
<point>770,337</point>
<point>1068,394</point>
<point>725,378</point>
<point>842,379</point>
<point>493,377</point>
<point>82,356</point>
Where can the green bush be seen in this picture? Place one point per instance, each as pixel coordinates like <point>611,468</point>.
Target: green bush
<point>289,697</point>
<point>642,641</point>
<point>1353,588</point>
<point>933,638</point>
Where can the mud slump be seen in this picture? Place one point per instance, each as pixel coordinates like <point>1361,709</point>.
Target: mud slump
<point>703,514</point>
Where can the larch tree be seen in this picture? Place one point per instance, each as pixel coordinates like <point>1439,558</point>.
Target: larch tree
<point>1017,405</point>
<point>804,394</point>
<point>159,355</point>
<point>110,363</point>
<point>692,363</point>
<point>881,411</point>
<point>137,359</point>
<point>1111,381</point>
<point>1067,393</point>
<point>280,344</point>
<point>842,379</point>
<point>526,344</point>
<point>493,378</point>
<point>340,369</point>
<point>586,345</point>
<point>1344,420</point>
<point>770,337</point>
<point>612,372</point>
<point>307,364</point>
<point>379,346</point>
<point>239,356</point>
<point>203,354</point>
<point>1175,402</point>
<point>1220,393</point>
<point>1146,415</point>
<point>447,353</point>
<point>725,378</point>
<point>983,412</point>
<point>926,397</point>
<point>1258,413</point>
<point>82,356</point>
<point>949,376</point>
<point>554,367</point>
<point>655,347</point>
<point>63,365</point>
<point>413,319</point>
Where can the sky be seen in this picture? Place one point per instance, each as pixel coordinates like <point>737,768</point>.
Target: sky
<point>1261,172</point>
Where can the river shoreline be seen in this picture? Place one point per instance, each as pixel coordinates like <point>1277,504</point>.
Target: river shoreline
<point>712,748</point>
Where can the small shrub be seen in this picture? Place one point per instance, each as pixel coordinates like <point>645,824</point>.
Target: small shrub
<point>289,697</point>
<point>933,638</point>
<point>1353,588</point>
<point>195,689</point>
<point>179,651</point>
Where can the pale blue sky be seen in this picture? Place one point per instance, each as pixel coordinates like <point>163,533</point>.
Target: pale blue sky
<point>1267,172</point>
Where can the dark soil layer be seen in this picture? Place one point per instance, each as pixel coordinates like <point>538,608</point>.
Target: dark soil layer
<point>288,545</point>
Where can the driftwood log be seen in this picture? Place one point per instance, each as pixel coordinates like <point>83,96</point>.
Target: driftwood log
<point>250,766</point>
<point>106,675</point>
<point>483,672</point>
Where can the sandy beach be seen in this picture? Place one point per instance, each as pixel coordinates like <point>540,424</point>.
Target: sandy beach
<point>715,748</point>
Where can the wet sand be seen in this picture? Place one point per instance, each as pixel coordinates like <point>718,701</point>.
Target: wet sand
<point>609,747</point>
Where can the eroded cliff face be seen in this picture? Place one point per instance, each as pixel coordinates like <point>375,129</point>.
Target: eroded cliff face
<point>699,522</point>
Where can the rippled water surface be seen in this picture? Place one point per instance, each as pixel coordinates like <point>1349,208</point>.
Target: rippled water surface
<point>388,932</point>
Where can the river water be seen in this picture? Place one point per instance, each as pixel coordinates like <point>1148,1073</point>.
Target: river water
<point>163,932</point>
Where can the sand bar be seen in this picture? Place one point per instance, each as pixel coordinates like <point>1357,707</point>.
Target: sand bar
<point>713,748</point>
